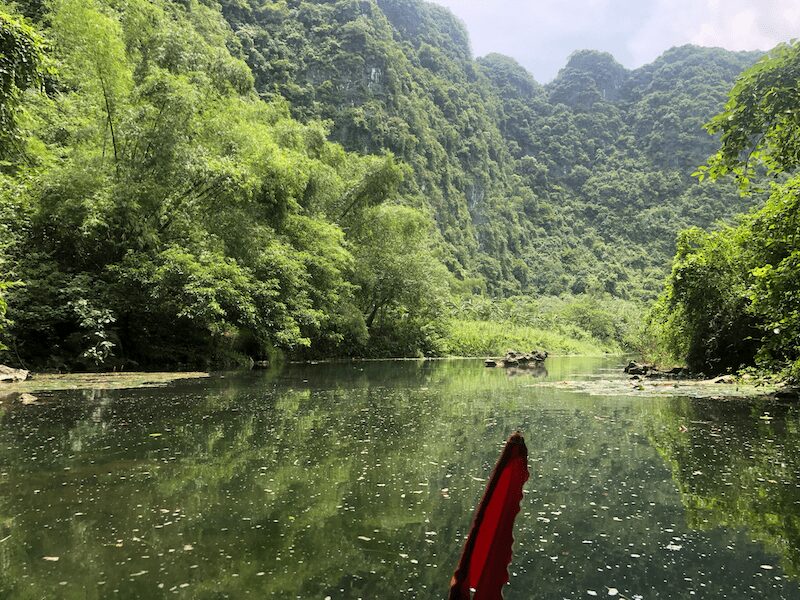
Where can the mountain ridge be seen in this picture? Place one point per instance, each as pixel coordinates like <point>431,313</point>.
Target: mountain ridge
<point>415,89</point>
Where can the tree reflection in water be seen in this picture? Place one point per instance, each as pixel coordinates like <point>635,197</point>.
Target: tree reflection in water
<point>359,480</point>
<point>737,466</point>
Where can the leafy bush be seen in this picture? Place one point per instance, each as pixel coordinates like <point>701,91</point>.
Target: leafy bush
<point>733,298</point>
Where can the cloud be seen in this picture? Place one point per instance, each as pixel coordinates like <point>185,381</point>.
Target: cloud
<point>730,24</point>
<point>744,26</point>
<point>540,34</point>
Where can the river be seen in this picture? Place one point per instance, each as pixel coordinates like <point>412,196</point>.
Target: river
<point>358,480</point>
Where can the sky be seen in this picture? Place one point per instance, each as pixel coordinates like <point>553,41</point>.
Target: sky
<point>541,34</point>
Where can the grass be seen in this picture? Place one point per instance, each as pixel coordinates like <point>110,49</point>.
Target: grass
<point>491,338</point>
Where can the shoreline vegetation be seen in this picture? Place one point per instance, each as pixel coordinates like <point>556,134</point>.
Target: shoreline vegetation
<point>491,338</point>
<point>620,384</point>
<point>586,325</point>
<point>732,300</point>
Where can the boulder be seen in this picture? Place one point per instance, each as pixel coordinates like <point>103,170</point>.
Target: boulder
<point>653,372</point>
<point>9,375</point>
<point>514,358</point>
<point>679,371</point>
<point>635,368</point>
<point>518,359</point>
<point>539,355</point>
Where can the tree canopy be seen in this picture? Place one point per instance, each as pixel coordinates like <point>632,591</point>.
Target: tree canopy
<point>733,298</point>
<point>161,213</point>
<point>761,120</point>
<point>22,66</point>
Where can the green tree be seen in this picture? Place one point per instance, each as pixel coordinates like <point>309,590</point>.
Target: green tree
<point>94,60</point>
<point>734,295</point>
<point>3,308</point>
<point>761,120</point>
<point>402,285</point>
<point>707,307</point>
<point>22,66</point>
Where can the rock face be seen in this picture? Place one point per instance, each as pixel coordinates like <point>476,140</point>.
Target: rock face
<point>9,375</point>
<point>518,359</point>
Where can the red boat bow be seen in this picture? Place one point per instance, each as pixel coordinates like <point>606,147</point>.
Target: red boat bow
<point>487,553</point>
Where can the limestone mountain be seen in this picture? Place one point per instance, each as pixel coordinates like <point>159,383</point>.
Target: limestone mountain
<point>577,184</point>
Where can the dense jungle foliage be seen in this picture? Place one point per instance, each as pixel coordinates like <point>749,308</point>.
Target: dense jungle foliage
<point>733,298</point>
<point>197,182</point>
<point>158,212</point>
<point>577,186</point>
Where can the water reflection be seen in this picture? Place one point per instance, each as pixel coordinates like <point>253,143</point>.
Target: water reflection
<point>359,480</point>
<point>737,466</point>
<point>531,370</point>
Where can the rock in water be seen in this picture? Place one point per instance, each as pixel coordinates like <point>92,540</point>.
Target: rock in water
<point>539,355</point>
<point>518,359</point>
<point>514,358</point>
<point>9,375</point>
<point>28,399</point>
<point>679,371</point>
<point>635,368</point>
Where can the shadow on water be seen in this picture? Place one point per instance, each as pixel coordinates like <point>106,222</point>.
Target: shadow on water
<point>359,480</point>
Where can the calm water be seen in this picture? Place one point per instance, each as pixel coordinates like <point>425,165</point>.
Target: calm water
<point>359,481</point>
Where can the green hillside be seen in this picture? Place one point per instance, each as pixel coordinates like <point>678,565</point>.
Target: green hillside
<point>195,182</point>
<point>577,185</point>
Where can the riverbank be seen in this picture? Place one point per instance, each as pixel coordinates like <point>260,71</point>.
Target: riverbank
<point>690,388</point>
<point>608,383</point>
<point>97,381</point>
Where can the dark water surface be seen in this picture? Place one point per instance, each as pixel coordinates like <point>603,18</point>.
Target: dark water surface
<point>359,481</point>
